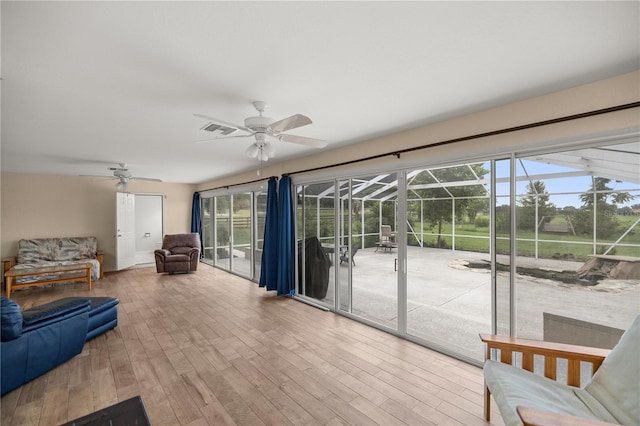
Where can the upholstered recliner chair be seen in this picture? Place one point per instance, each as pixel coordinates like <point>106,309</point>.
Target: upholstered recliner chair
<point>179,253</point>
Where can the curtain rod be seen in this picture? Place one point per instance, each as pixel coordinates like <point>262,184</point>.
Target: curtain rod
<point>238,184</point>
<point>456,140</point>
<point>476,136</point>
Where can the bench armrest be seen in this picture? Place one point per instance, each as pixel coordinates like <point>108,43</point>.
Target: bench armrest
<point>7,263</point>
<point>100,257</point>
<point>551,351</point>
<point>532,417</point>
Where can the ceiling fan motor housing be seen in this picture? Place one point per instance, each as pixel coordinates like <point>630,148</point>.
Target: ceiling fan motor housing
<point>258,124</point>
<point>122,174</point>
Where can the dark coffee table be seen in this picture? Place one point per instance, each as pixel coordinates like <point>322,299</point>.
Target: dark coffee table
<point>126,413</point>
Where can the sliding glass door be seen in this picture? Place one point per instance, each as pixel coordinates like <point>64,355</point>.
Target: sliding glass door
<point>233,231</point>
<point>208,249</point>
<point>316,242</point>
<point>543,245</point>
<point>223,231</point>
<point>259,219</point>
<point>448,256</point>
<point>578,239</point>
<point>368,236</point>
<point>241,233</point>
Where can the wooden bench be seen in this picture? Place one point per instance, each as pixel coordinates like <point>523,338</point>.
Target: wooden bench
<point>561,228</point>
<point>51,274</point>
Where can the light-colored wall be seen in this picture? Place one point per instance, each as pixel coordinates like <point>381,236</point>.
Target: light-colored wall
<point>40,206</point>
<point>601,94</point>
<point>34,206</point>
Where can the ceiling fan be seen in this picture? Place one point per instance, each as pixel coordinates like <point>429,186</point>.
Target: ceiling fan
<point>123,175</point>
<point>265,130</point>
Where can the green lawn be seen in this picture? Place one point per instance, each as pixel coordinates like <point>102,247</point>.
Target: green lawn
<point>549,244</point>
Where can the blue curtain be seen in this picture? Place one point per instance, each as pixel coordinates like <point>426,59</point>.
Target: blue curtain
<point>286,239</point>
<point>196,223</point>
<point>269,265</point>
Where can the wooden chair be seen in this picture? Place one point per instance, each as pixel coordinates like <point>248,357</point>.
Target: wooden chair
<point>387,238</point>
<point>531,399</point>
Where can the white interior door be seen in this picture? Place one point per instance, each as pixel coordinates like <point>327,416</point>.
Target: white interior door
<point>149,226</point>
<point>125,230</point>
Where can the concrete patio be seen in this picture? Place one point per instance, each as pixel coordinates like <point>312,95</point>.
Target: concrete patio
<point>450,303</point>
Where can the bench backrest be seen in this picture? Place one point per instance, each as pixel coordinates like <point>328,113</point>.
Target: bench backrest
<point>616,384</point>
<point>57,249</point>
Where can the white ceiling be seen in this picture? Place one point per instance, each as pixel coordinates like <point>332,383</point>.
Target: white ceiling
<point>86,85</point>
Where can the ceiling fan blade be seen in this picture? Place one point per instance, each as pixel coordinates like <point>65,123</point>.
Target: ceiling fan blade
<point>289,123</point>
<point>147,179</point>
<point>224,137</point>
<point>226,123</point>
<point>301,140</point>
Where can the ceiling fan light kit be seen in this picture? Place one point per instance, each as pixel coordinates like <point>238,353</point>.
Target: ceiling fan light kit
<point>265,130</point>
<point>123,185</point>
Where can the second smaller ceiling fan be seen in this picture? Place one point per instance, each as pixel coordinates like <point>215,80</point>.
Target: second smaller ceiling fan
<point>265,130</point>
<point>123,175</point>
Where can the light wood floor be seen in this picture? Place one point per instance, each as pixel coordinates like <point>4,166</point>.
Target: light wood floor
<point>213,348</point>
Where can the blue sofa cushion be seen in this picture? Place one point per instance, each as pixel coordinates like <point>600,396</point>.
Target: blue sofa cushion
<point>52,312</point>
<point>10,320</point>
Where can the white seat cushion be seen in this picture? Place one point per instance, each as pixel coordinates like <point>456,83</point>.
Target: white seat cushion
<point>616,385</point>
<point>512,387</point>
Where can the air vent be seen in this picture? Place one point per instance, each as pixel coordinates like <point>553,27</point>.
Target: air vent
<point>219,129</point>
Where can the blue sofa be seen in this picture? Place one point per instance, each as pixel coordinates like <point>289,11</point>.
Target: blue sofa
<point>39,339</point>
<point>103,314</point>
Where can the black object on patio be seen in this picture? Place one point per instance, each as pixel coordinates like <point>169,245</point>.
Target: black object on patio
<point>316,268</point>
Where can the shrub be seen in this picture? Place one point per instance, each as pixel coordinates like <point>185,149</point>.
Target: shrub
<point>481,222</point>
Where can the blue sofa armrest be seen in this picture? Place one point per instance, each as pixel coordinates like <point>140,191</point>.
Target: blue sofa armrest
<point>51,335</point>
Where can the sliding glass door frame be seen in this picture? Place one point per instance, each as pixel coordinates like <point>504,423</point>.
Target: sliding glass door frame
<point>401,240</point>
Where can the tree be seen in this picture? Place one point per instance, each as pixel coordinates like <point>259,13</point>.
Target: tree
<point>432,187</point>
<point>605,200</point>
<point>536,195</point>
<point>605,197</point>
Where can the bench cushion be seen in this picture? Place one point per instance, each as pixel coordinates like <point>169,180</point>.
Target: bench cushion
<point>618,375</point>
<point>43,251</point>
<point>512,387</point>
<point>24,267</point>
